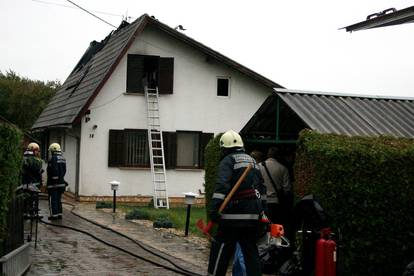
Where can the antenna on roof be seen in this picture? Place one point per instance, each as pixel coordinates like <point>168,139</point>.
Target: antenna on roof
<point>126,17</point>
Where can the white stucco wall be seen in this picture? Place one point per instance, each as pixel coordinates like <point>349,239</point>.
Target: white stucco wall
<point>193,106</point>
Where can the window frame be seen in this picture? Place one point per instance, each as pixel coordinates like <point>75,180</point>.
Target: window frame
<point>198,153</point>
<point>137,64</point>
<point>228,78</point>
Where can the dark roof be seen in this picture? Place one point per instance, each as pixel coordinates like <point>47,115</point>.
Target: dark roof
<point>97,64</point>
<point>385,18</point>
<point>352,115</point>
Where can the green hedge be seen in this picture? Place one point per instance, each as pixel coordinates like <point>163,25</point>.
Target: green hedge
<point>367,186</point>
<point>10,166</point>
<point>212,160</point>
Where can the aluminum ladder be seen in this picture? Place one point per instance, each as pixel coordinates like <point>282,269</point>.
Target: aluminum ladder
<point>156,149</point>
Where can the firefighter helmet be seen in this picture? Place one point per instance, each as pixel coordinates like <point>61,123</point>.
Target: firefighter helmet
<point>54,147</point>
<point>231,139</point>
<point>33,146</point>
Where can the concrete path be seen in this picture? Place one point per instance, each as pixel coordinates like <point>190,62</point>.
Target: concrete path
<point>66,252</point>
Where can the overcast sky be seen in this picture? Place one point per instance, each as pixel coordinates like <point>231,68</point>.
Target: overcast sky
<point>294,43</point>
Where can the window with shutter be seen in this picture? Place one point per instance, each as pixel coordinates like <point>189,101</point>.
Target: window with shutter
<point>151,71</point>
<point>128,148</point>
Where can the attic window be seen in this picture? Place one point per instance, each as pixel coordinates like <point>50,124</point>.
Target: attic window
<point>223,86</point>
<point>151,71</point>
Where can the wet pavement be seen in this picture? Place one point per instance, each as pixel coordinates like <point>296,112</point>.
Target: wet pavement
<point>63,251</point>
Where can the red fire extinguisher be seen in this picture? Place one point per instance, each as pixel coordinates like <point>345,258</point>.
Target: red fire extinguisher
<point>325,262</point>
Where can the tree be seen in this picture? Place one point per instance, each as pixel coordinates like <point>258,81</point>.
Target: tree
<point>22,100</point>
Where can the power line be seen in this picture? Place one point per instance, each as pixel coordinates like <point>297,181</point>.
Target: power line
<point>72,7</point>
<point>91,13</point>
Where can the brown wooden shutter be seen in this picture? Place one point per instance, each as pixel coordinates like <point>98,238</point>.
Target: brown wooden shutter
<point>116,148</point>
<point>135,73</point>
<point>204,139</point>
<point>166,76</point>
<point>170,149</point>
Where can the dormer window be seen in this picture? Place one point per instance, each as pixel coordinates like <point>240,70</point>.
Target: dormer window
<point>151,71</point>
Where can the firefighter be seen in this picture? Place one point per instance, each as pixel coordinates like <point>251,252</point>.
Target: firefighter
<point>31,178</point>
<point>56,169</point>
<point>239,221</point>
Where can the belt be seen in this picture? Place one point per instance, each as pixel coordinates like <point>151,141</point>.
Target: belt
<point>245,194</point>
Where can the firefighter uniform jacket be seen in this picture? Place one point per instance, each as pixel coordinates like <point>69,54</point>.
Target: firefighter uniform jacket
<point>56,170</point>
<point>248,202</point>
<point>31,169</point>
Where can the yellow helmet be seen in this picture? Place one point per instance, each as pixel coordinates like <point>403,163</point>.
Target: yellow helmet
<point>33,146</point>
<point>54,147</point>
<point>231,139</point>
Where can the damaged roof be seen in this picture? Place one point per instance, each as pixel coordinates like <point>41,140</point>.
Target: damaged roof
<point>99,61</point>
<point>347,114</point>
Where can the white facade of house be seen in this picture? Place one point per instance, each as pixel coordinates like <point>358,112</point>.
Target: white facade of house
<point>193,106</point>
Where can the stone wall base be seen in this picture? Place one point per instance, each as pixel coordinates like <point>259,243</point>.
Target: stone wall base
<point>135,200</point>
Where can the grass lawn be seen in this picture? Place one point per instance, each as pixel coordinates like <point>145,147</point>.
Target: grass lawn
<point>176,215</point>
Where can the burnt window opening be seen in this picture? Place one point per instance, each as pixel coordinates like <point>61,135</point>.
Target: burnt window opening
<point>150,71</point>
<point>223,85</point>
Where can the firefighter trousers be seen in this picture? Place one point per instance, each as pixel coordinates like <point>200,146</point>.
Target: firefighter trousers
<point>223,247</point>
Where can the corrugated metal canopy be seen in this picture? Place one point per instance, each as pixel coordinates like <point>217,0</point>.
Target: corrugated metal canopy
<point>385,18</point>
<point>352,115</point>
<point>345,114</point>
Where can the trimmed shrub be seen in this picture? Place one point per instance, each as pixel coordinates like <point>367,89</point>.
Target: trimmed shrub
<point>103,204</point>
<point>212,159</point>
<point>137,213</point>
<point>163,222</point>
<point>10,167</point>
<point>367,187</point>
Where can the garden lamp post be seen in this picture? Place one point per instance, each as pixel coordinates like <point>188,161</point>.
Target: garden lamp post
<point>189,200</point>
<point>114,187</point>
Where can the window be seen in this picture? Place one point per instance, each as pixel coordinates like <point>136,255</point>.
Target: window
<point>136,148</point>
<point>128,148</point>
<point>223,87</point>
<point>151,71</point>
<point>188,144</point>
<point>182,149</point>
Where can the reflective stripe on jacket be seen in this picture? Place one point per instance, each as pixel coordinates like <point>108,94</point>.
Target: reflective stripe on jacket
<point>56,170</point>
<point>244,210</point>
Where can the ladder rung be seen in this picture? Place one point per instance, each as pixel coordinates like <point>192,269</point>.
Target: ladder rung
<point>160,190</point>
<point>156,140</point>
<point>159,172</point>
<point>154,117</point>
<point>159,181</point>
<point>156,148</point>
<point>157,156</point>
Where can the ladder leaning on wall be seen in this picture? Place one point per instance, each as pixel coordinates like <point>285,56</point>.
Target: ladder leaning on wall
<point>156,149</point>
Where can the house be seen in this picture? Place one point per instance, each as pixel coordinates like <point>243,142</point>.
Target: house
<point>285,113</point>
<point>99,115</point>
